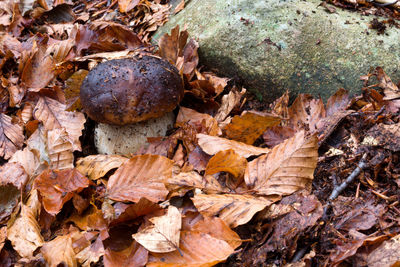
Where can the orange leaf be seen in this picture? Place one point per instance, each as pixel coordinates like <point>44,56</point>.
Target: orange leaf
<point>141,176</point>
<point>287,168</point>
<point>212,145</point>
<point>11,137</point>
<point>53,115</point>
<point>203,123</point>
<point>250,125</point>
<point>96,166</point>
<point>127,5</point>
<point>227,161</point>
<point>234,209</point>
<point>186,181</point>
<point>57,187</point>
<point>135,255</point>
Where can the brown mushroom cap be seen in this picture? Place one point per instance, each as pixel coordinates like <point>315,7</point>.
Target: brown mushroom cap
<point>129,90</point>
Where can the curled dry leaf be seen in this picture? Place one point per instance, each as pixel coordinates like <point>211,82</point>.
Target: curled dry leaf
<point>234,209</point>
<point>135,255</point>
<point>11,137</point>
<point>24,233</point>
<point>185,181</point>
<point>390,89</point>
<point>287,168</point>
<point>96,166</point>
<point>57,187</point>
<point>53,115</point>
<point>91,253</point>
<point>141,176</point>
<point>213,144</point>
<point>163,235</point>
<point>171,46</point>
<point>280,106</point>
<point>306,112</point>
<point>227,161</point>
<point>250,125</point>
<point>203,123</point>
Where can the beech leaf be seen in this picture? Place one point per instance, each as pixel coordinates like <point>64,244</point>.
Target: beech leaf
<point>163,235</point>
<point>11,137</point>
<point>96,166</point>
<point>141,176</point>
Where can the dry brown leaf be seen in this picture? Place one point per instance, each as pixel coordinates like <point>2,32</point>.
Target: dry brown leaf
<point>24,233</point>
<point>277,134</point>
<point>185,181</point>
<point>3,236</point>
<point>38,71</point>
<point>60,250</point>
<point>53,116</point>
<point>57,187</point>
<point>130,212</point>
<point>250,125</point>
<point>61,50</point>
<point>11,137</point>
<point>60,149</point>
<point>13,173</point>
<point>391,90</point>
<point>384,135</point>
<point>213,144</point>
<point>72,89</point>
<point>197,248</point>
<point>92,220</point>
<point>163,235</point>
<point>227,161</point>
<point>280,106</point>
<point>337,102</point>
<point>141,176</point>
<point>127,5</point>
<point>96,166</point>
<point>37,142</point>
<point>234,209</point>
<point>218,83</point>
<point>387,254</point>
<point>91,253</point>
<point>171,46</point>
<point>287,168</point>
<point>306,112</point>
<point>203,123</point>
<point>228,103</point>
<point>135,255</point>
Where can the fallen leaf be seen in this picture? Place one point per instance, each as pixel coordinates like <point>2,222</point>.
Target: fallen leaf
<point>60,251</point>
<point>53,115</point>
<point>391,90</point>
<point>385,135</point>
<point>60,149</point>
<point>213,144</point>
<point>96,166</point>
<point>249,126</point>
<point>185,181</point>
<point>130,212</point>
<point>227,161</point>
<point>135,255</point>
<point>13,173</point>
<point>387,254</point>
<point>72,90</point>
<point>277,134</point>
<point>91,254</point>
<point>141,176</point>
<point>203,123</point>
<point>24,232</point>
<point>3,236</point>
<point>337,102</point>
<point>171,46</point>
<point>233,209</point>
<point>163,235</point>
<point>280,106</point>
<point>179,7</point>
<point>228,103</point>
<point>127,5</point>
<point>287,168</point>
<point>57,187</point>
<point>11,137</point>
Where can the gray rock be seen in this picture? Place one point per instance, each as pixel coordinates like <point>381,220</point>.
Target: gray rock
<point>123,140</point>
<point>274,45</point>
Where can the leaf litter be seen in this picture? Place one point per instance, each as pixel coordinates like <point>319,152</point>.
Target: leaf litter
<point>297,183</point>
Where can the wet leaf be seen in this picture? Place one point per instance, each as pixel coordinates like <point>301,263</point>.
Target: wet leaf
<point>141,176</point>
<point>163,235</point>
<point>212,145</point>
<point>234,209</point>
<point>287,168</point>
<point>250,125</point>
<point>57,187</point>
<point>96,166</point>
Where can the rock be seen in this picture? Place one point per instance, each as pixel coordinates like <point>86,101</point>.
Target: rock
<point>274,45</point>
<point>111,139</point>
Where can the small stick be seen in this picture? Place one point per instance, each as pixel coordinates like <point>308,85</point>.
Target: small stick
<point>337,190</point>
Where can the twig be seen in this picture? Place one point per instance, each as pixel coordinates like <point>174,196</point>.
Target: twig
<point>337,190</point>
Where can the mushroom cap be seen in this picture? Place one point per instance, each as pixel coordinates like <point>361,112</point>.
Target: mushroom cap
<point>129,90</point>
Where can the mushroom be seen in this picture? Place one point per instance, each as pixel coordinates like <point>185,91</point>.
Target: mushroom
<point>131,99</point>
<point>129,90</point>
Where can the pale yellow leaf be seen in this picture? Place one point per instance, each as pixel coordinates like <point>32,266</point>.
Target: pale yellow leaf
<point>287,168</point>
<point>213,144</point>
<point>163,235</point>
